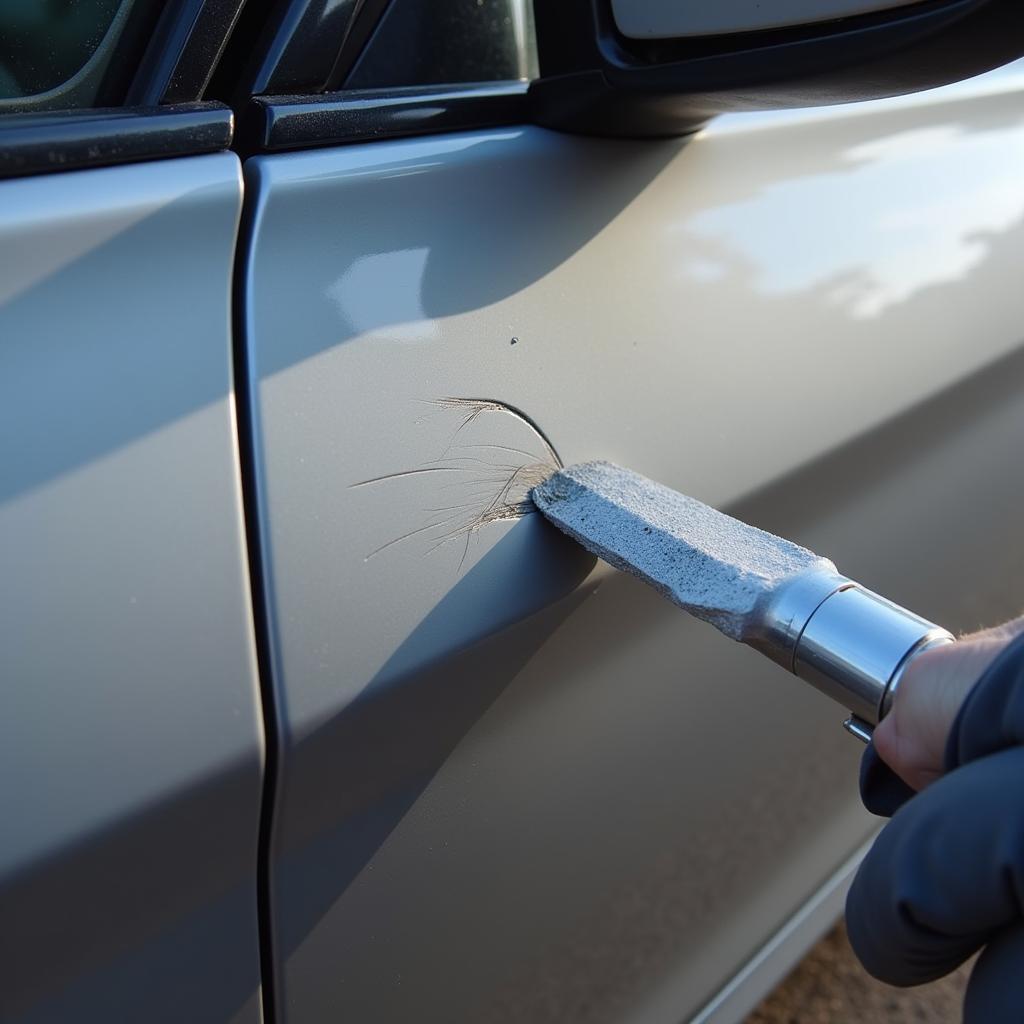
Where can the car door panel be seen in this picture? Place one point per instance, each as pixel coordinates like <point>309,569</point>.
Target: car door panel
<point>511,787</point>
<point>131,738</point>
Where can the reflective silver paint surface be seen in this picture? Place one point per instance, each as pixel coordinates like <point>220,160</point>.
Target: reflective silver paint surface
<point>502,799</point>
<point>130,734</point>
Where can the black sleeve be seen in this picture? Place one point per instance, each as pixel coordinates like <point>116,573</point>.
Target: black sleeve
<point>946,875</point>
<point>882,791</point>
<point>992,716</point>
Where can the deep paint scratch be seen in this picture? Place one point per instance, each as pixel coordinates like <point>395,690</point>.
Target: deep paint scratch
<point>486,505</point>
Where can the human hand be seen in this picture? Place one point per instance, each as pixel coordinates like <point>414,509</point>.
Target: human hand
<point>943,879</point>
<point>911,739</point>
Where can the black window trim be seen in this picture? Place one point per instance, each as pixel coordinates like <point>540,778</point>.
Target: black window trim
<point>186,45</point>
<point>70,140</point>
<point>276,123</point>
<point>314,118</point>
<point>164,115</point>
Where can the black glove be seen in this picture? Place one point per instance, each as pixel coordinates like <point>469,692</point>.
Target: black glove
<point>946,876</point>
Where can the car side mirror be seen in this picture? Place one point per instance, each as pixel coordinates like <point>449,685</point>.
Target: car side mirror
<point>648,68</point>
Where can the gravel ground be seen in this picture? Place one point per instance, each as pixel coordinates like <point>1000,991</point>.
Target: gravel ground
<point>830,987</point>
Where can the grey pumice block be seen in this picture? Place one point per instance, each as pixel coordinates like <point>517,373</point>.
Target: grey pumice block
<point>711,565</point>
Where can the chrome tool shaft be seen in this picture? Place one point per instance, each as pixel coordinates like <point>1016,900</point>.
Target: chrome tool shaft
<point>781,599</point>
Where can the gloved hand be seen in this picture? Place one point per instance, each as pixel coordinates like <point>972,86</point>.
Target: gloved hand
<point>946,876</point>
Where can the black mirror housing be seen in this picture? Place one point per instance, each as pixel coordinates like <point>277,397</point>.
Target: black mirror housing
<point>595,81</point>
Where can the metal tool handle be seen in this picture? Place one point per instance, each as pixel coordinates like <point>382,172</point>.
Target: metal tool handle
<point>863,730</point>
<point>855,648</point>
<point>843,639</point>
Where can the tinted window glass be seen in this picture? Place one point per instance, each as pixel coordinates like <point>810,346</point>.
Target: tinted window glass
<point>60,53</point>
<point>448,41</point>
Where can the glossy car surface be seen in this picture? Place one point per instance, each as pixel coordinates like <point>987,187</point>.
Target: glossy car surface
<point>546,806</point>
<point>309,716</point>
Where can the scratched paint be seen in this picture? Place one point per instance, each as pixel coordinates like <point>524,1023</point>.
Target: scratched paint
<point>478,481</point>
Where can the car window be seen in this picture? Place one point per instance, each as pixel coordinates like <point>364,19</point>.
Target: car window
<point>448,41</point>
<point>57,54</point>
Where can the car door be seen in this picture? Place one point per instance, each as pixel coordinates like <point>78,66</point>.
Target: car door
<point>500,782</point>
<point>131,744</point>
<point>508,784</point>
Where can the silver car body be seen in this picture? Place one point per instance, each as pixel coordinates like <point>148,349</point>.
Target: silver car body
<point>504,783</point>
<point>131,737</point>
<point>505,802</point>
